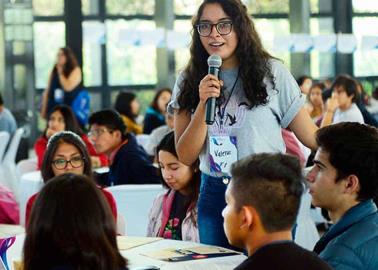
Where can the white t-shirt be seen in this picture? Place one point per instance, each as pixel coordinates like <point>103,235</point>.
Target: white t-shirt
<point>257,130</point>
<point>353,114</point>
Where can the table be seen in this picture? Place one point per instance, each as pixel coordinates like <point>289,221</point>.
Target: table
<point>135,258</point>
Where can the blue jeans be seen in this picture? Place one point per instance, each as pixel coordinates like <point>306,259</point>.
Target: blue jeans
<point>211,203</point>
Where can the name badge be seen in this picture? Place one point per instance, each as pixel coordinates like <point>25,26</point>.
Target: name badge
<point>223,152</point>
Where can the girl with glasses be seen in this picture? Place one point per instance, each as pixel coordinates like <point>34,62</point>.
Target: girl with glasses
<point>71,227</point>
<point>62,118</point>
<point>256,97</point>
<point>66,153</point>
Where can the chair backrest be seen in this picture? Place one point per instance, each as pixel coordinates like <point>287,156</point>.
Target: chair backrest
<point>10,155</point>
<point>25,166</point>
<point>4,139</point>
<point>134,203</point>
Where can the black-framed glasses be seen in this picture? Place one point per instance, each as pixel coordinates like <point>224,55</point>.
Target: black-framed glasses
<point>98,132</point>
<point>61,163</point>
<point>223,28</point>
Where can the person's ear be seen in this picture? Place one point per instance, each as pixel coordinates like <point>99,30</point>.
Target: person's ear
<point>247,216</point>
<point>352,184</point>
<point>117,134</point>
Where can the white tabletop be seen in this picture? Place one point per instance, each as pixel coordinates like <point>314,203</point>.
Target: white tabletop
<point>136,259</point>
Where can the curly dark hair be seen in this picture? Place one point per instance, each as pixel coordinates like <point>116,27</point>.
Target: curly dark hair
<point>253,58</point>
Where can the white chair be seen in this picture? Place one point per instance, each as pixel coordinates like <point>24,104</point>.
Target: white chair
<point>143,140</point>
<point>4,139</point>
<point>9,162</point>
<point>25,166</point>
<point>134,203</point>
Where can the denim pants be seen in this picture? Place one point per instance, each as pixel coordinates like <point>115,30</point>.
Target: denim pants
<point>211,203</point>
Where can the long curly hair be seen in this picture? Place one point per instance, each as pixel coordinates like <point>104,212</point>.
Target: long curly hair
<point>253,58</point>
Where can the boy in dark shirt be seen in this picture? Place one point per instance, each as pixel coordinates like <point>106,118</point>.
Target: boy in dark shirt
<point>129,163</point>
<point>263,199</point>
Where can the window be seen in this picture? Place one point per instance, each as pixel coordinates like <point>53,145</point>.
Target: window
<point>128,64</point>
<point>89,7</point>
<point>365,62</point>
<point>93,36</point>
<point>187,7</point>
<point>48,38</point>
<point>322,64</point>
<point>365,6</point>
<point>46,8</point>
<point>130,7</point>
<point>263,6</point>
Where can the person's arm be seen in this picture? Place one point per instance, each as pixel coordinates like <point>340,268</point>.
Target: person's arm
<point>304,128</point>
<point>72,81</point>
<point>191,131</point>
<point>332,105</point>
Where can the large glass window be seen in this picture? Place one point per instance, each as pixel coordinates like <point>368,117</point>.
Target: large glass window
<point>186,7</point>
<point>263,6</point>
<point>322,63</point>
<point>48,38</point>
<point>89,7</point>
<point>365,61</point>
<point>130,7</point>
<point>129,64</point>
<point>182,55</point>
<point>93,37</point>
<point>365,5</point>
<point>46,8</point>
<point>268,29</point>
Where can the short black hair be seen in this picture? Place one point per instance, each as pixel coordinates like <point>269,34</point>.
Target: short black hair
<point>302,79</point>
<point>349,85</point>
<point>353,150</point>
<point>272,184</point>
<point>110,119</point>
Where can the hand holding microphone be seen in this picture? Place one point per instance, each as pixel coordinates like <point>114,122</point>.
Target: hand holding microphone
<point>210,87</point>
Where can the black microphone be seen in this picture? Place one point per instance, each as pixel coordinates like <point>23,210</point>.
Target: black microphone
<point>214,61</point>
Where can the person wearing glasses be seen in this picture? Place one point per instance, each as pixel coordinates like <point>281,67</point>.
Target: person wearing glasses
<point>62,118</point>
<point>256,97</point>
<point>128,162</point>
<point>66,153</point>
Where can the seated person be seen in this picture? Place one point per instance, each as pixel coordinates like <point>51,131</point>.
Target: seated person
<point>71,227</point>
<point>66,153</point>
<point>344,181</point>
<point>263,199</point>
<point>174,214</point>
<point>158,133</point>
<point>7,120</point>
<point>129,163</point>
<point>127,105</point>
<point>154,117</point>
<point>341,106</point>
<point>62,118</point>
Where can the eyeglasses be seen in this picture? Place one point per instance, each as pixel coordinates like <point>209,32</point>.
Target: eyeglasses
<point>61,164</point>
<point>98,132</point>
<point>223,28</point>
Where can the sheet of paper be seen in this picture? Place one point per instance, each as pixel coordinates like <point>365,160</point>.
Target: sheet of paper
<point>10,230</point>
<point>128,242</point>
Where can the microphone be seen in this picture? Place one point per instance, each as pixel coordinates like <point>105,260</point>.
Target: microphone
<point>214,61</point>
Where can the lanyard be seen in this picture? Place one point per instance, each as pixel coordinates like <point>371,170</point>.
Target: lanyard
<point>222,112</point>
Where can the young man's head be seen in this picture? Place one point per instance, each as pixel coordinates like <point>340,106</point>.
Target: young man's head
<point>346,167</point>
<point>262,198</point>
<point>345,89</point>
<point>107,130</point>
